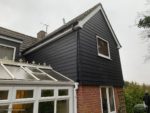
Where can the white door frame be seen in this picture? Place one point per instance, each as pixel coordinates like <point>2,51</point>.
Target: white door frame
<point>108,102</point>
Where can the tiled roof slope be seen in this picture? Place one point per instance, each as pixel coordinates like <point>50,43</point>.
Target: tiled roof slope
<point>27,40</point>
<point>74,21</point>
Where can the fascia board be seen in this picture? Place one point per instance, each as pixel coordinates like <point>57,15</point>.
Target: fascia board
<point>10,39</point>
<point>88,17</point>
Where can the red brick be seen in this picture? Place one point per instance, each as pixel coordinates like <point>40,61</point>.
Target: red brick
<point>89,101</point>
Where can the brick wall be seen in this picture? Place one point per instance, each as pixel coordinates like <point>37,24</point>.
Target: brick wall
<point>120,100</point>
<point>88,99</point>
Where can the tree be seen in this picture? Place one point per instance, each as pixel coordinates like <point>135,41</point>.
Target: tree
<point>134,94</point>
<point>144,22</point>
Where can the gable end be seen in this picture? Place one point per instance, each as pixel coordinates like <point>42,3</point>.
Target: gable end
<point>89,16</point>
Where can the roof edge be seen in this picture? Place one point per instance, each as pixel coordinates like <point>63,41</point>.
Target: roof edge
<point>82,22</point>
<point>16,32</point>
<point>47,41</point>
<point>11,39</point>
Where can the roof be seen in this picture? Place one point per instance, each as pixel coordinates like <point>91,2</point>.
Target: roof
<point>27,40</point>
<point>18,71</point>
<point>77,22</point>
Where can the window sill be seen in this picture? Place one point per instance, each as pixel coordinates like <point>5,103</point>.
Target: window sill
<point>103,56</point>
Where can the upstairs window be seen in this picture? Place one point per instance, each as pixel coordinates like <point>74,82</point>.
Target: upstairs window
<point>103,47</point>
<point>7,52</point>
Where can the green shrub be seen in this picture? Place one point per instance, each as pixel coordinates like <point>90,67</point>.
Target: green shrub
<point>133,95</point>
<point>139,108</point>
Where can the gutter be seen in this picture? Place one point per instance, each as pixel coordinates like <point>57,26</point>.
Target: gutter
<point>35,82</point>
<point>76,84</point>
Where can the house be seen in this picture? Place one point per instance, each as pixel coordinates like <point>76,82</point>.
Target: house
<point>83,52</point>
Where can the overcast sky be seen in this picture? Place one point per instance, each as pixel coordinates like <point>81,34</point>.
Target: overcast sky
<point>27,16</point>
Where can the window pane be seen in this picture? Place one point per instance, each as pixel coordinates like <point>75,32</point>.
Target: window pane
<point>63,106</point>
<point>18,72</point>
<point>46,107</point>
<point>111,100</point>
<point>42,76</point>
<point>62,92</point>
<point>54,74</point>
<point>6,52</point>
<point>33,69</point>
<point>22,108</point>
<point>4,74</point>
<point>47,93</point>
<point>103,47</point>
<point>3,95</point>
<point>24,94</point>
<point>104,100</point>
<point>3,108</point>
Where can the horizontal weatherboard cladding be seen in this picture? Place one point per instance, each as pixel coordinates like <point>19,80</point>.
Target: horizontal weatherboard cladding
<point>61,54</point>
<point>75,55</point>
<point>94,69</point>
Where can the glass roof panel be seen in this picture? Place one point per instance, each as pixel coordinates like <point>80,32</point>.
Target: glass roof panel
<point>55,75</point>
<point>33,69</point>
<point>18,72</point>
<point>42,76</point>
<point>4,74</point>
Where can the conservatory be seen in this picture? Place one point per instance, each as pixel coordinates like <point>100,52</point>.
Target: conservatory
<point>30,88</point>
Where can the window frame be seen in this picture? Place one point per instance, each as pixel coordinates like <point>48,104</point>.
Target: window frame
<point>8,96</point>
<point>37,96</point>
<point>14,48</point>
<point>108,48</point>
<point>108,101</point>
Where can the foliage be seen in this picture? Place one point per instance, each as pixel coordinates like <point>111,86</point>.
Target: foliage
<point>134,94</point>
<point>139,108</point>
<point>144,22</point>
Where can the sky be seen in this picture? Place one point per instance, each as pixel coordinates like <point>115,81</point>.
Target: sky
<point>29,16</point>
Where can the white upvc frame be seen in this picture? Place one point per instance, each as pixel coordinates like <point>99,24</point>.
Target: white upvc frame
<point>10,74</point>
<point>47,88</point>
<point>47,74</point>
<point>9,94</point>
<point>100,54</point>
<point>107,94</point>
<point>14,54</point>
<point>37,96</point>
<point>23,99</point>
<point>10,39</point>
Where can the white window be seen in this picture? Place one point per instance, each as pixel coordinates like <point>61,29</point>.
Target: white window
<point>103,47</point>
<point>7,52</point>
<point>23,99</point>
<point>107,100</point>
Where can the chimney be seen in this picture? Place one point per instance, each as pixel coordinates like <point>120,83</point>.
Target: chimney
<point>41,34</point>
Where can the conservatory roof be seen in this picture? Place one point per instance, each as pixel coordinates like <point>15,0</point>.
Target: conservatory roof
<point>18,71</point>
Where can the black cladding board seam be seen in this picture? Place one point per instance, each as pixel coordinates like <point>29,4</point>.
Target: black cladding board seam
<point>75,23</point>
<point>93,68</point>
<point>60,54</point>
<point>81,62</point>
